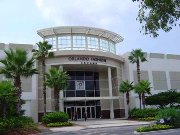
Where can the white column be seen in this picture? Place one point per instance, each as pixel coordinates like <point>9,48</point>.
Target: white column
<point>61,96</point>
<point>61,102</point>
<point>110,93</point>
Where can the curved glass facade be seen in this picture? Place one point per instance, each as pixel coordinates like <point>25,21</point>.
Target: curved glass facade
<point>81,42</point>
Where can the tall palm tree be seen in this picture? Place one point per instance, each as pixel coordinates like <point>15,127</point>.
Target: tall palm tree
<point>57,79</point>
<point>137,56</point>
<point>141,88</point>
<point>41,54</point>
<point>17,65</point>
<point>126,87</point>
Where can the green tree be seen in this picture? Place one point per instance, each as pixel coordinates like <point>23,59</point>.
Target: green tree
<point>137,56</point>
<point>126,87</point>
<point>41,54</point>
<point>7,97</point>
<point>17,65</point>
<point>158,14</point>
<point>142,88</point>
<point>57,79</point>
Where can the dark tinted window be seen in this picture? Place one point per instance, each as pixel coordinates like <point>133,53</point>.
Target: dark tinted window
<point>72,75</point>
<point>96,76</point>
<point>97,93</point>
<point>89,76</point>
<point>89,85</point>
<point>80,93</point>
<point>89,93</point>
<point>71,85</point>
<point>70,93</point>
<point>79,75</point>
<point>96,85</point>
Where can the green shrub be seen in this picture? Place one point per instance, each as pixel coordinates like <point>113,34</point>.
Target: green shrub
<point>143,113</point>
<point>172,113</point>
<point>55,117</point>
<point>17,123</point>
<point>147,119</point>
<point>153,128</point>
<point>59,124</point>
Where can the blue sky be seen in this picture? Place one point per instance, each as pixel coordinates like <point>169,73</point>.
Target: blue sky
<point>20,19</point>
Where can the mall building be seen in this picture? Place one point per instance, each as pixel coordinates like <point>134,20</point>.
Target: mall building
<point>96,71</point>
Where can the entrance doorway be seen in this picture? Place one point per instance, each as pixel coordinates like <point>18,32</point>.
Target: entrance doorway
<point>91,111</point>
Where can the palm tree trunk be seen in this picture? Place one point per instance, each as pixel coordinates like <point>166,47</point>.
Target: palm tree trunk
<point>17,84</point>
<point>143,100</point>
<point>44,85</point>
<point>140,101</point>
<point>127,98</point>
<point>56,99</point>
<point>138,71</point>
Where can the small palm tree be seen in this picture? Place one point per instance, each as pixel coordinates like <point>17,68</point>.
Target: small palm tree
<point>137,56</point>
<point>41,54</point>
<point>7,96</point>
<point>17,65</point>
<point>142,88</point>
<point>126,87</point>
<point>57,79</point>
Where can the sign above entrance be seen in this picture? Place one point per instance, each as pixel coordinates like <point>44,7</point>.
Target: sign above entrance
<point>87,59</point>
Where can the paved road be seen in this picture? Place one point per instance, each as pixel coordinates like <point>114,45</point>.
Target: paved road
<point>124,130</point>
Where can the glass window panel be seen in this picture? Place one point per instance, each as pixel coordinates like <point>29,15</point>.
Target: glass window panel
<point>70,93</point>
<point>80,103</point>
<point>80,85</point>
<point>80,93</point>
<point>89,93</point>
<point>90,103</point>
<point>79,75</point>
<point>104,45</point>
<point>89,85</point>
<point>79,42</point>
<point>112,47</point>
<point>72,75</point>
<point>64,43</point>
<point>97,93</point>
<point>96,85</point>
<point>89,76</point>
<point>71,85</point>
<point>96,76</point>
<point>98,111</point>
<point>92,43</point>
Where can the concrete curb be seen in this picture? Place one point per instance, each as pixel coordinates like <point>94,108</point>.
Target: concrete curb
<point>140,133</point>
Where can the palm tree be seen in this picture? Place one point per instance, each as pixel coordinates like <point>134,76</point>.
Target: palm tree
<point>57,79</point>
<point>41,54</point>
<point>17,65</point>
<point>141,88</point>
<point>137,56</point>
<point>126,87</point>
<point>7,97</point>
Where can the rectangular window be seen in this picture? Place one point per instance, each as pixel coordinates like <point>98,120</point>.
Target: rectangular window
<point>92,43</point>
<point>79,42</point>
<point>104,45</point>
<point>64,43</point>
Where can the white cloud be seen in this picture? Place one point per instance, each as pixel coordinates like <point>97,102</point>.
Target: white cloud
<point>99,13</point>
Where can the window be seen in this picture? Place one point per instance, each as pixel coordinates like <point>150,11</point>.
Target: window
<point>92,43</point>
<point>104,45</point>
<point>64,43</point>
<point>112,47</point>
<point>52,41</point>
<point>78,43</point>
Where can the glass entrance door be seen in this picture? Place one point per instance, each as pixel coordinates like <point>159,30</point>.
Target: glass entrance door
<point>91,111</point>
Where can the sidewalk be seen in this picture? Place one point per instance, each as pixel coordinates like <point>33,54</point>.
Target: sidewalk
<point>98,123</point>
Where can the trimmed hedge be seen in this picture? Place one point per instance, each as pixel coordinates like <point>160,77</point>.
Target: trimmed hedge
<point>153,128</point>
<point>55,117</point>
<point>143,113</point>
<point>59,124</point>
